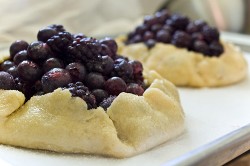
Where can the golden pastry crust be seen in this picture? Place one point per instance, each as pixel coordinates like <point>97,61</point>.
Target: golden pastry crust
<point>188,68</point>
<point>58,122</point>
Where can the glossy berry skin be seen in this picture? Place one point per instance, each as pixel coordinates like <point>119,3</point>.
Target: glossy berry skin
<point>115,86</point>
<point>77,71</point>
<point>110,43</point>
<point>38,51</point>
<point>29,71</point>
<point>52,63</point>
<point>95,80</point>
<point>135,89</point>
<point>45,33</point>
<point>163,36</point>
<point>6,81</point>
<point>123,68</point>
<point>18,45</point>
<point>20,56</point>
<point>13,71</point>
<point>181,39</point>
<point>100,94</point>
<point>6,65</point>
<point>54,79</point>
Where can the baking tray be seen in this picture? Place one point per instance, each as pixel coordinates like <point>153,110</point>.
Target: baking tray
<point>217,130</point>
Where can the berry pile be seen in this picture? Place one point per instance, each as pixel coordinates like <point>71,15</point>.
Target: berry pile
<point>87,67</point>
<point>178,30</point>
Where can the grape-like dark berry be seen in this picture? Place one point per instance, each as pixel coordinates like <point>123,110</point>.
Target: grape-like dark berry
<point>13,71</point>
<point>18,45</point>
<point>60,42</point>
<point>181,39</point>
<point>135,89</point>
<point>6,81</point>
<point>77,71</point>
<point>100,95</point>
<point>165,27</point>
<point>29,71</point>
<point>20,56</point>
<point>54,79</point>
<point>95,80</point>
<point>110,43</point>
<point>123,68</point>
<point>38,51</point>
<point>52,63</point>
<point>6,65</point>
<point>115,86</point>
<point>46,33</point>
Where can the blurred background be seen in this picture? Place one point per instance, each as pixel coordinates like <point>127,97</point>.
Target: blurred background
<point>21,19</point>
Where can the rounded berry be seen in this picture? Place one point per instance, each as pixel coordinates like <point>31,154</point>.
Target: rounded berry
<point>210,33</point>
<point>181,39</point>
<point>17,46</point>
<point>163,36</point>
<point>135,89</point>
<point>77,71</point>
<point>6,65</point>
<point>100,94</point>
<point>110,43</point>
<point>6,81</point>
<point>115,86</point>
<point>52,63</point>
<point>45,33</point>
<point>20,56</point>
<point>95,80</point>
<point>29,71</point>
<point>13,71</point>
<point>54,79</point>
<point>201,46</point>
<point>38,51</point>
<point>123,68</point>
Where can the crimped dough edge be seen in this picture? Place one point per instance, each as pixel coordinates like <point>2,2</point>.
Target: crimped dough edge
<point>189,68</point>
<point>61,123</point>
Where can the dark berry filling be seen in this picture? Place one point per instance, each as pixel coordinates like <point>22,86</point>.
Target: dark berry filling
<point>89,68</point>
<point>178,30</point>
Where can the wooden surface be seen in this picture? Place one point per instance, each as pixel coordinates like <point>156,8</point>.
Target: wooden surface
<point>242,160</point>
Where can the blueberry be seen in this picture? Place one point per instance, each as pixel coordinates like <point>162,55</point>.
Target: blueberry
<point>201,46</point>
<point>110,43</point>
<point>216,48</point>
<point>95,80</point>
<point>6,81</point>
<point>6,65</point>
<point>52,63</point>
<point>123,68</point>
<point>18,45</point>
<point>100,94</point>
<point>210,33</point>
<point>13,71</point>
<point>38,51</point>
<point>29,71</point>
<point>54,79</point>
<point>181,39</point>
<point>135,89</point>
<point>77,71</point>
<point>115,85</point>
<point>20,56</point>
<point>148,35</point>
<point>45,33</point>
<point>163,36</point>
<point>150,43</point>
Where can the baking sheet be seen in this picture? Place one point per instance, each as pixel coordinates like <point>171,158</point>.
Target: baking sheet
<point>211,113</point>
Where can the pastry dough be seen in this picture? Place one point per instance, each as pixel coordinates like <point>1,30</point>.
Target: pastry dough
<point>188,68</point>
<point>58,122</point>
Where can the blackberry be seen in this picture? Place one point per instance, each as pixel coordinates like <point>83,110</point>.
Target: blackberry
<point>6,81</point>
<point>210,33</point>
<point>178,22</point>
<point>85,49</point>
<point>79,90</point>
<point>60,42</point>
<point>107,102</point>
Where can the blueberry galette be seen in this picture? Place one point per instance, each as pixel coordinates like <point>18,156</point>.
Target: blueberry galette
<point>75,94</point>
<point>188,53</point>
